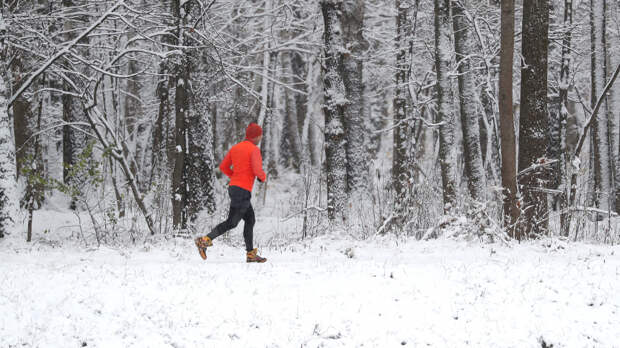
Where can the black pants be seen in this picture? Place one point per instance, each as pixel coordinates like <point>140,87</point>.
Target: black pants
<point>240,208</point>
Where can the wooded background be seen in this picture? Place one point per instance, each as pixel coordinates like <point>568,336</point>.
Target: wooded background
<point>400,116</point>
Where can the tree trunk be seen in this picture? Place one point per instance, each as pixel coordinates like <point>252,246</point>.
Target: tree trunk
<point>533,122</point>
<point>290,141</point>
<point>268,145</point>
<point>181,107</point>
<point>445,116</point>
<point>334,110</point>
<point>8,180</point>
<point>506,121</point>
<point>463,44</point>
<point>354,114</point>
<point>561,171</point>
<point>200,164</point>
<point>74,136</point>
<point>602,164</point>
<point>402,174</point>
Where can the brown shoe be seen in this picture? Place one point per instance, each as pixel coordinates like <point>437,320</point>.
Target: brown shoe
<point>202,243</point>
<point>252,256</point>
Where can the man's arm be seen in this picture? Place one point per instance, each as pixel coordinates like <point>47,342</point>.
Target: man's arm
<point>225,165</point>
<point>257,165</point>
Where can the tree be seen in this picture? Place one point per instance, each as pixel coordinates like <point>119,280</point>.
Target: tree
<point>445,116</point>
<point>463,45</point>
<point>602,165</point>
<point>402,163</point>
<point>560,120</point>
<point>533,122</point>
<point>507,128</point>
<point>354,114</point>
<point>7,145</point>
<point>334,110</point>
<point>74,131</point>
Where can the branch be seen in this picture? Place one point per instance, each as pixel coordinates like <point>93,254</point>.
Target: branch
<point>599,102</point>
<point>63,51</point>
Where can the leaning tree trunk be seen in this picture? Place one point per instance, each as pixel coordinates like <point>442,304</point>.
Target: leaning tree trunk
<point>445,116</point>
<point>464,47</point>
<point>561,171</point>
<point>506,121</point>
<point>334,110</point>
<point>601,154</point>
<point>533,122</point>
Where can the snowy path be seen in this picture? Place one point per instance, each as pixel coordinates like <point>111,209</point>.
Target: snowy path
<point>439,294</point>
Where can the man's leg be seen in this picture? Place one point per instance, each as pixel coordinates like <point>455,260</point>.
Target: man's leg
<point>248,228</point>
<point>235,214</point>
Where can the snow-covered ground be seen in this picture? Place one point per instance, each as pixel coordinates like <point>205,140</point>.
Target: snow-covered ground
<point>311,294</point>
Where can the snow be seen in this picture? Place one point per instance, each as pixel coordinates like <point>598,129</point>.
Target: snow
<point>317,293</point>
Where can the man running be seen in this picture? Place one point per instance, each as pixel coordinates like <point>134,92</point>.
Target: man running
<point>247,164</point>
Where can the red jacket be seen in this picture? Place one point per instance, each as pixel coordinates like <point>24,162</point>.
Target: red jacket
<point>247,164</point>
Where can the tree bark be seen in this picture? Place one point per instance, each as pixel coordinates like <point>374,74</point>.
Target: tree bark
<point>8,180</point>
<point>354,114</point>
<point>602,163</point>
<point>290,141</point>
<point>463,44</point>
<point>402,173</point>
<point>533,122</point>
<point>181,107</point>
<point>506,121</point>
<point>561,170</point>
<point>334,110</point>
<point>445,116</point>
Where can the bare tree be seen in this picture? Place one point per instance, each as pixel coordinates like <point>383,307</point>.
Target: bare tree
<point>533,122</point>
<point>600,136</point>
<point>464,47</point>
<point>561,119</point>
<point>7,145</point>
<point>334,110</point>
<point>354,114</point>
<point>507,127</point>
<point>445,115</point>
<point>404,137</point>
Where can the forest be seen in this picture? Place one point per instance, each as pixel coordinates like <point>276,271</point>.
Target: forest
<point>380,117</point>
<point>439,173</point>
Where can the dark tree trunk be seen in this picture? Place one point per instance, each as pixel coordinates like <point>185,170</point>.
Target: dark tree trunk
<point>402,164</point>
<point>533,122</point>
<point>602,169</point>
<point>507,128</point>
<point>354,114</point>
<point>334,110</point>
<point>561,169</point>
<point>445,115</point>
<point>464,47</point>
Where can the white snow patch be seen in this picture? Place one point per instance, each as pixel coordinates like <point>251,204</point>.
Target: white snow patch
<point>439,293</point>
